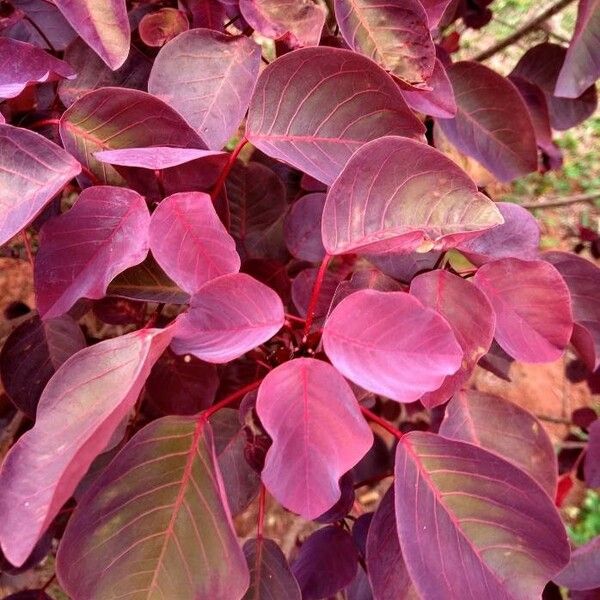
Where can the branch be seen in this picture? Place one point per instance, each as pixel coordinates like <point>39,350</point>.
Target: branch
<point>524,30</point>
<point>553,202</point>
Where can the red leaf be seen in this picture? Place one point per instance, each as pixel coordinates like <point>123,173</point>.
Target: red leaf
<point>565,484</point>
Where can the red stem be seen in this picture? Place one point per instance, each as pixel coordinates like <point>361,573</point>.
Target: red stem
<point>209,412</point>
<point>314,298</point>
<point>371,416</point>
<point>154,316</point>
<point>294,318</point>
<point>227,168</point>
<point>261,511</point>
<point>160,182</point>
<point>44,123</point>
<point>27,247</point>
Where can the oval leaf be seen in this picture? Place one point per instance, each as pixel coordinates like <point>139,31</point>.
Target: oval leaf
<point>32,171</point>
<point>208,77</point>
<point>156,158</point>
<point>82,405</point>
<point>302,228</point>
<point>583,570</point>
<point>228,316</point>
<point>318,434</point>
<point>472,525</point>
<point>390,344</point>
<point>155,522</point>
<point>159,27</point>
<point>533,308</point>
<point>371,205</point>
<point>314,107</point>
<point>104,233</point>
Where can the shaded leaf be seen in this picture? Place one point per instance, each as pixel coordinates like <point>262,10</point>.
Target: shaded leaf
<point>404,266</point>
<point>371,208</point>
<point>344,505</point>
<point>436,9</point>
<point>368,279</point>
<point>104,233</point>
<point>311,414</point>
<point>591,466</point>
<point>471,524</point>
<point>155,158</point>
<point>583,570</point>
<point>159,27</point>
<point>206,13</point>
<point>302,228</point>
<point>314,107</point>
<point>302,287</point>
<point>80,408</point>
<point>159,509</point>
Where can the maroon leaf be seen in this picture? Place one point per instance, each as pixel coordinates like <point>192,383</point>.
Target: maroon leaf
<point>541,65</point>
<point>32,353</point>
<point>583,280</point>
<point>209,14</point>
<point>471,524</point>
<point>208,77</point>
<point>104,233</point>
<point>228,316</point>
<point>318,434</point>
<point>326,563</point>
<point>155,522</point>
<point>314,107</point>
<point>435,10</point>
<point>32,171</point>
<point>581,66</point>
<point>103,25</point>
<point>471,317</point>
<point>270,575</point>
<point>517,237</point>
<point>158,157</point>
<point>473,416</point>
<point>396,348</point>
<point>532,305</point>
<point>113,118</point>
<point>370,207</point>
<point>583,570</point>
<point>300,21</point>
<point>158,28</point>
<point>189,241</point>
<point>302,228</point>
<point>82,405</point>
<point>385,565</point>
<point>302,287</point>
<point>592,457</point>
<point>25,64</point>
<point>369,279</point>
<point>344,505</point>
<point>404,266</point>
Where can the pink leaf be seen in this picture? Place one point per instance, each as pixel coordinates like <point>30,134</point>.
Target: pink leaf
<point>104,233</point>
<point>189,241</point>
<point>301,21</point>
<point>532,305</point>
<point>104,26</point>
<point>208,77</point>
<point>471,317</point>
<point>314,107</point>
<point>26,64</point>
<point>371,205</point>
<point>159,27</point>
<point>472,525</point>
<point>302,228</point>
<point>156,523</point>
<point>32,171</point>
<point>228,316</point>
<point>82,405</point>
<point>390,344</point>
<point>583,570</point>
<point>318,434</point>
<point>158,157</point>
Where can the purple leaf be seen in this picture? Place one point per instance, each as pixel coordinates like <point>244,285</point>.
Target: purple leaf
<point>370,206</point>
<point>208,77</point>
<point>583,570</point>
<point>472,525</point>
<point>92,73</point>
<point>209,14</point>
<point>32,171</point>
<point>31,355</point>
<point>29,595</point>
<point>437,102</point>
<point>104,233</point>
<point>471,317</point>
<point>155,522</point>
<point>473,416</point>
<point>300,21</point>
<point>496,361</point>
<point>314,107</point>
<point>25,64</point>
<point>592,457</point>
<point>228,316</point>
<point>385,565</point>
<point>583,280</point>
<point>159,27</point>
<point>302,286</point>
<point>114,118</point>
<point>82,405</point>
<point>581,66</point>
<point>396,36</point>
<point>541,65</point>
<point>189,241</point>
<point>326,563</point>
<point>318,434</point>
<point>369,279</point>
<point>390,344</point>
<point>486,102</point>
<point>158,157</point>
<point>517,237</point>
<point>435,10</point>
<point>344,505</point>
<point>532,305</point>
<point>270,574</point>
<point>103,25</point>
<point>302,228</point>
<point>404,266</point>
